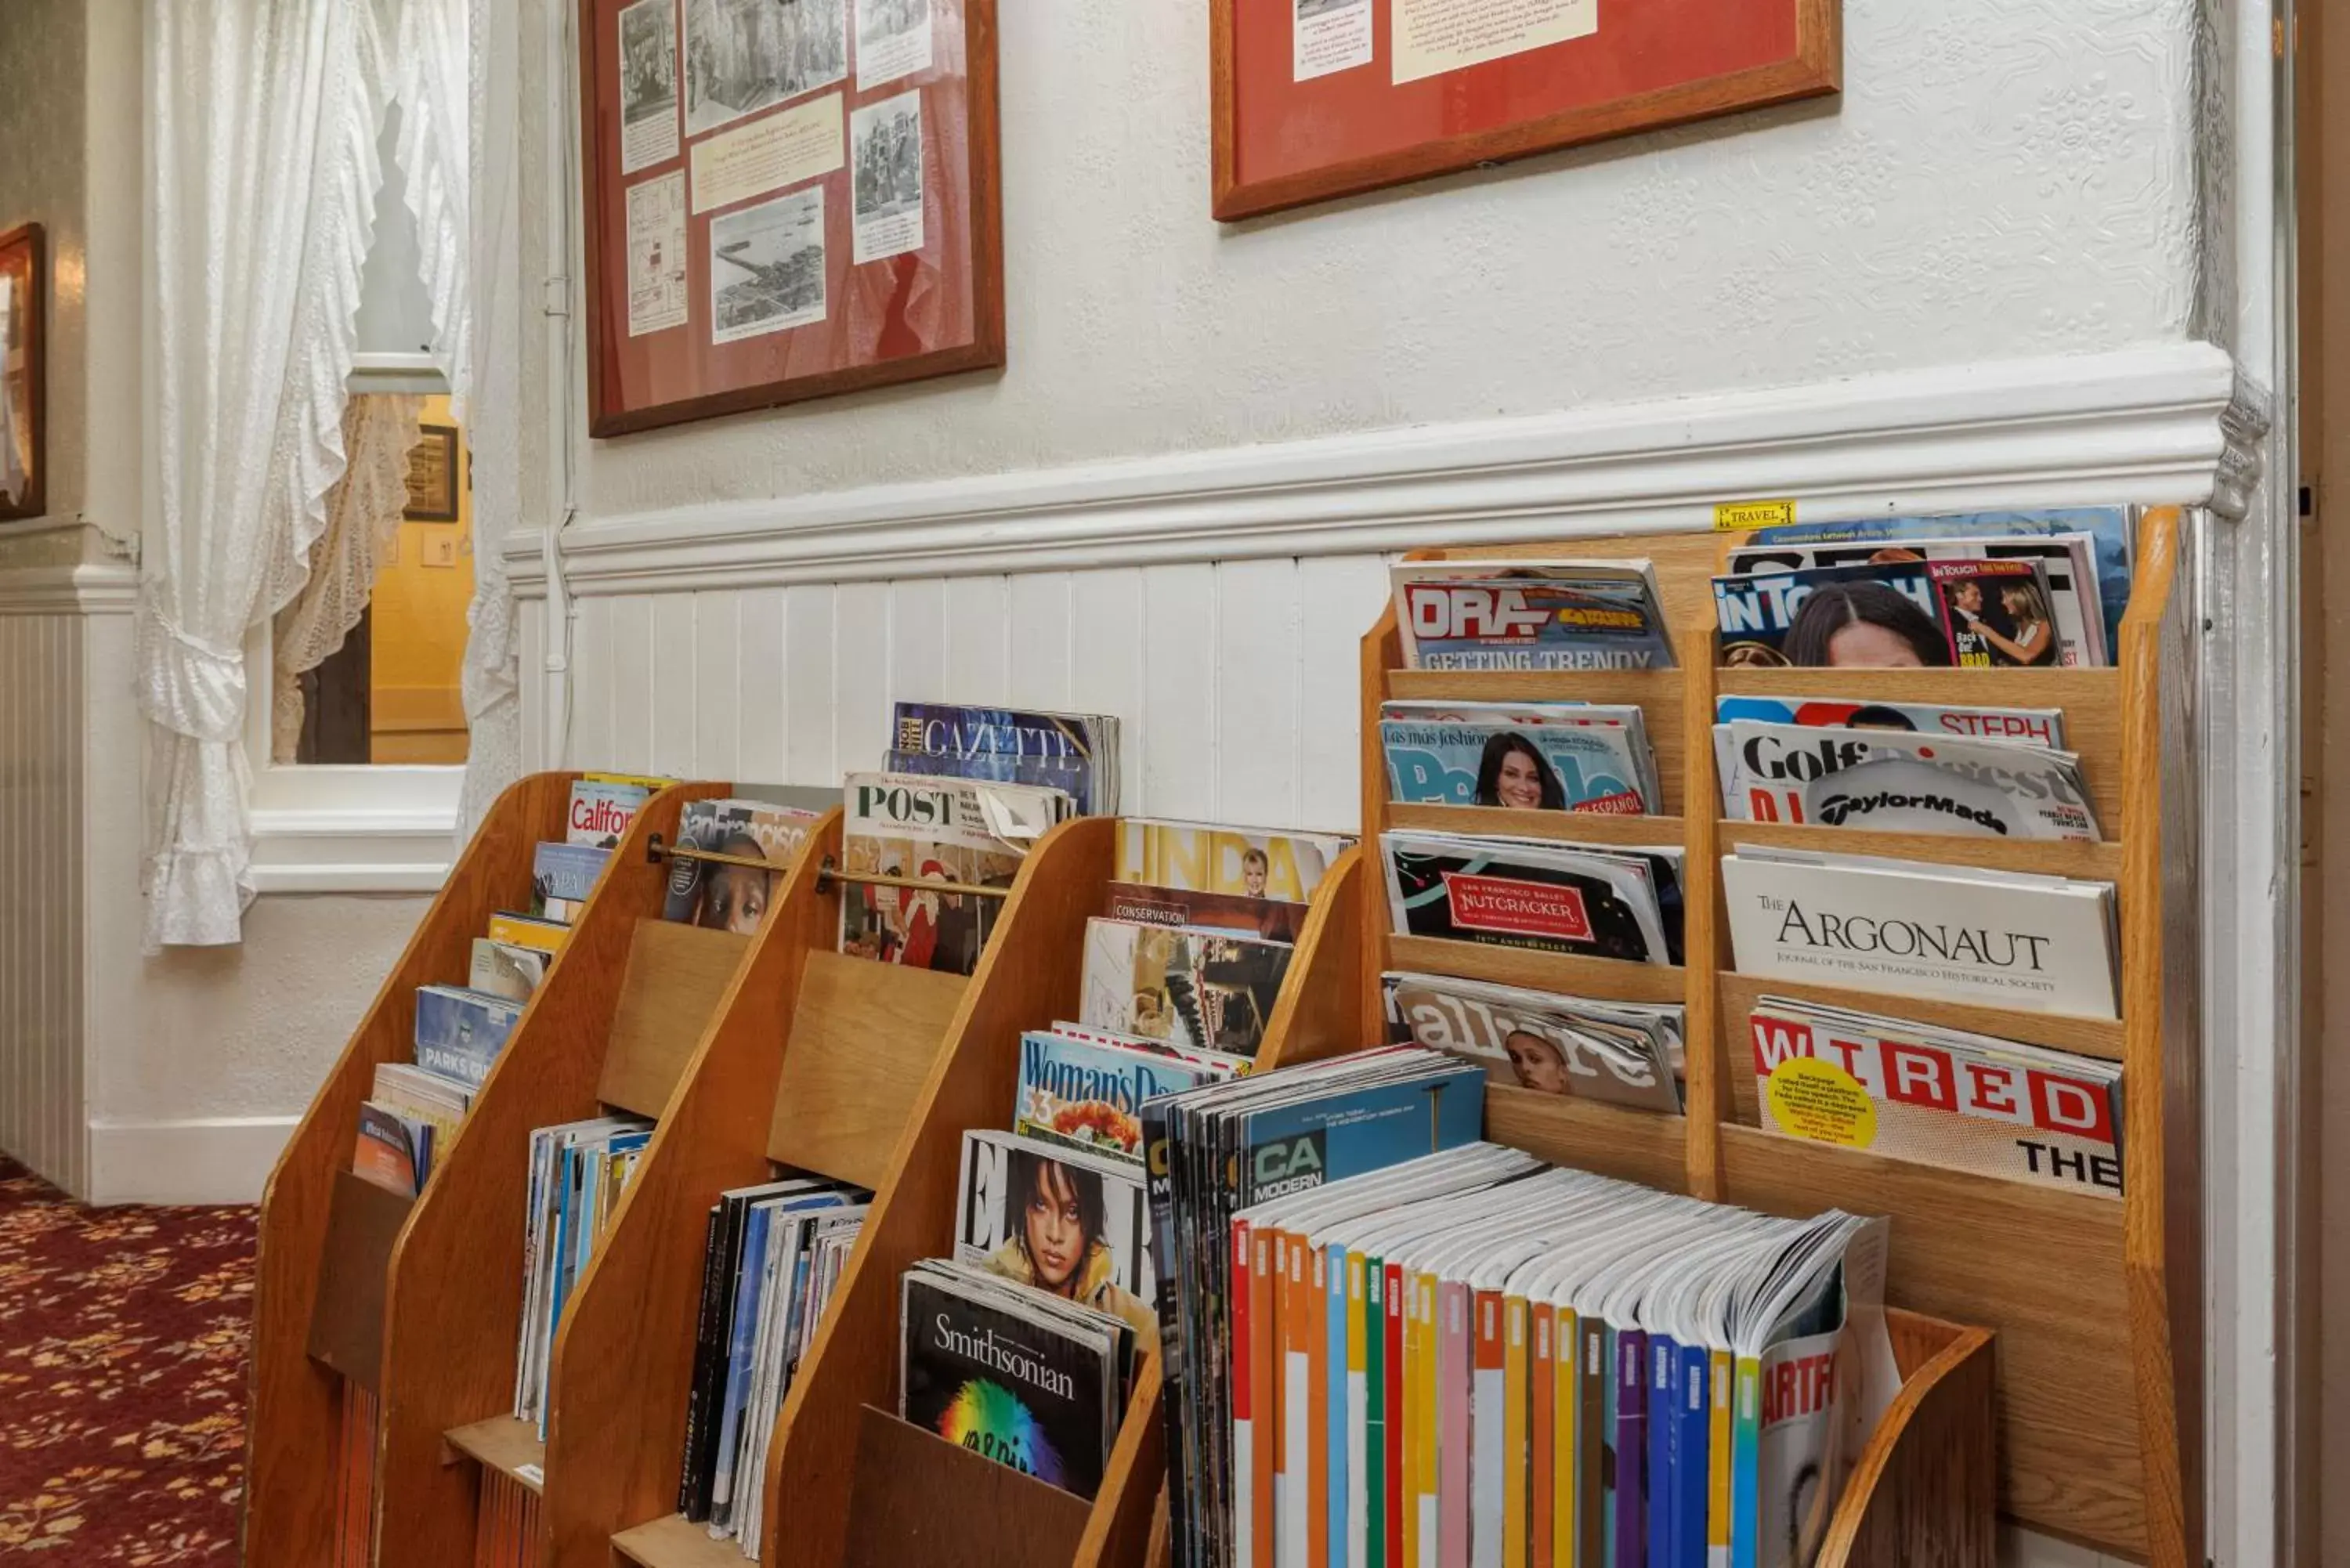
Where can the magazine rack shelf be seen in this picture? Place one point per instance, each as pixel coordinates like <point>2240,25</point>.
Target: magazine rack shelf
<point>843,1476</point>
<point>320,1236</point>
<point>811,1061</point>
<point>2095,1302</point>
<point>397,1297</point>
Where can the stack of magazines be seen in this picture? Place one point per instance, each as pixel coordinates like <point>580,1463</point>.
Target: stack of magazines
<point>1939,1096</point>
<point>772,1255</point>
<point>1619,1052</point>
<point>1218,1150</point>
<point>1592,900</point>
<point>967,792</point>
<point>1509,614</point>
<point>1521,756</point>
<point>1180,978</point>
<point>1979,590</point>
<point>578,1172</point>
<point>1472,1357</point>
<point>1945,933</point>
<point>413,1109</point>
<point>1902,768</point>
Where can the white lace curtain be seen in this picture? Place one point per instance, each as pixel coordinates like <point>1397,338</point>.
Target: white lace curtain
<point>363,516</point>
<point>262,124</point>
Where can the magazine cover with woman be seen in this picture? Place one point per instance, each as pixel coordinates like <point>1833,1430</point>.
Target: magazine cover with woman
<point>936,830</point>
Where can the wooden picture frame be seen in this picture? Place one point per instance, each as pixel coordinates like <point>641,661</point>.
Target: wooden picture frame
<point>432,475</point>
<point>931,306</point>
<point>23,372</point>
<point>1301,116</point>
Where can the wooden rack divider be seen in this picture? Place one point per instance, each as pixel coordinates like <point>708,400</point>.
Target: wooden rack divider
<point>842,1473</point>
<point>296,1420</point>
<point>399,1296</point>
<point>2095,1302</point>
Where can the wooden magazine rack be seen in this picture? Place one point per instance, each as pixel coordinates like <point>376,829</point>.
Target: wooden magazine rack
<point>2095,1302</point>
<point>848,1483</point>
<point>417,1301</point>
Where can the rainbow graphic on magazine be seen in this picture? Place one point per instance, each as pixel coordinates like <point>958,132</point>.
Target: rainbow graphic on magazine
<point>989,1419</point>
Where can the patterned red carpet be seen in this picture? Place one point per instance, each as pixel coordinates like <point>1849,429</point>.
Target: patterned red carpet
<point>123,1334</point>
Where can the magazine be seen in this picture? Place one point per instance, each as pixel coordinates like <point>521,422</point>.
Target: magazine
<point>1940,1096</point>
<point>1011,1373</point>
<point>562,878</point>
<point>1045,1215</point>
<point>1076,753</point>
<point>1534,757</point>
<point>599,811</point>
<point>2068,560</point>
<point>1598,902</point>
<point>1530,615</point>
<point>1866,615</point>
<point>1190,856</point>
<point>1229,914</point>
<point>2113,530</point>
<point>460,1033</point>
<point>2037,726</point>
<point>732,898</point>
<point>502,969</point>
<point>1897,780</point>
<point>938,830</point>
<point>1197,991</point>
<point>1948,933</point>
<point>1613,1052</point>
<point>1089,1096</point>
<point>1996,614</point>
<point>394,1152</point>
<point>529,931</point>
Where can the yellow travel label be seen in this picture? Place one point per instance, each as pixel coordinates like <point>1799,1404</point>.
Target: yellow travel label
<point>1742,516</point>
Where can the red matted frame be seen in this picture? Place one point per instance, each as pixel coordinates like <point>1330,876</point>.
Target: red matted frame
<point>933,311</point>
<point>1280,142</point>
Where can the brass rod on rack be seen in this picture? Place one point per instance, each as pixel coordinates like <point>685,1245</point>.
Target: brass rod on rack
<point>656,851</point>
<point>828,873</point>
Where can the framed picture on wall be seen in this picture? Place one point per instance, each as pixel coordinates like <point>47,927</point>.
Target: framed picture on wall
<point>432,475</point>
<point>786,199</point>
<point>1317,99</point>
<point>24,380</point>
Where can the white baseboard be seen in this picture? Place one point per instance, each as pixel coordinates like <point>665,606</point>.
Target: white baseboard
<point>214,1159</point>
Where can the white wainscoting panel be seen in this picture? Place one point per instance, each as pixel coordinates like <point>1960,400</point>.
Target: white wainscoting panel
<point>41,937</point>
<point>1236,679</point>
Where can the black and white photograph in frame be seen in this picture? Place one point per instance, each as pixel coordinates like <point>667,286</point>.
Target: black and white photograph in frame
<point>742,56</point>
<point>647,85</point>
<point>766,267</point>
<point>885,156</point>
<point>893,39</point>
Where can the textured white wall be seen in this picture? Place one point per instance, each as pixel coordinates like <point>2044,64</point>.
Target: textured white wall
<point>2001,178</point>
<point>42,53</point>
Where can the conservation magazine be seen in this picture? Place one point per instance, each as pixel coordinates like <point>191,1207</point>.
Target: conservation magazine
<point>1196,990</point>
